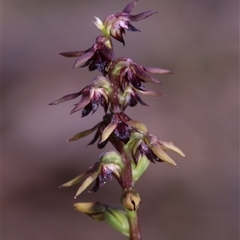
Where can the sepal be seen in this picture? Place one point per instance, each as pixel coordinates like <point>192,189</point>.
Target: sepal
<point>115,217</point>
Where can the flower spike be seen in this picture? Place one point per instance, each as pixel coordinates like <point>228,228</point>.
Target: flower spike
<point>120,85</point>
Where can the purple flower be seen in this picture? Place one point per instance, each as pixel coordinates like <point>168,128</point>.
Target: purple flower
<point>154,149</point>
<point>93,95</point>
<point>109,166</point>
<point>99,56</point>
<point>117,23</point>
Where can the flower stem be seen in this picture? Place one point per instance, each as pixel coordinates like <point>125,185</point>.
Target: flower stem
<point>135,233</point>
<point>127,183</point>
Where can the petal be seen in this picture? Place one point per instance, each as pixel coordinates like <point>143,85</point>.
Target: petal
<point>84,102</point>
<point>137,83</point>
<point>117,34</point>
<point>151,93</point>
<point>171,146</point>
<point>87,109</point>
<point>116,170</point>
<point>131,28</point>
<point>87,182</point>
<point>137,125</point>
<point>131,101</point>
<point>140,100</point>
<point>82,59</point>
<point>72,53</point>
<point>106,51</point>
<point>83,133</point>
<point>92,65</point>
<point>66,98</point>
<point>142,74</point>
<point>101,145</point>
<point>157,70</point>
<point>75,180</point>
<point>109,129</point>
<point>122,132</point>
<point>157,149</point>
<point>130,6</point>
<point>96,186</point>
<point>141,16</point>
<point>95,105</point>
<point>98,23</point>
<point>88,62</point>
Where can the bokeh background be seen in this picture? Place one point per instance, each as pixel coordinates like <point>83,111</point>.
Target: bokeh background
<point>198,41</point>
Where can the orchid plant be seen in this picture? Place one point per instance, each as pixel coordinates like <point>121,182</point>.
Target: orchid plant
<point>119,86</point>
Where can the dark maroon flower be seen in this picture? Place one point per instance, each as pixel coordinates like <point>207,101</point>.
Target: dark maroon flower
<point>93,95</point>
<point>129,73</point>
<point>152,148</point>
<point>99,128</point>
<point>131,98</point>
<point>109,166</point>
<point>99,56</point>
<point>117,126</point>
<point>117,23</point>
<point>121,127</point>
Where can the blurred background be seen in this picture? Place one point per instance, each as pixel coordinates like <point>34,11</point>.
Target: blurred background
<point>198,41</point>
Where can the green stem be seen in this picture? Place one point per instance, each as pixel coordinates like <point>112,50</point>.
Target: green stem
<point>127,183</point>
<point>134,225</point>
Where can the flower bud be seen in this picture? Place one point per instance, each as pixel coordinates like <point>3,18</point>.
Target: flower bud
<point>115,217</point>
<point>130,199</point>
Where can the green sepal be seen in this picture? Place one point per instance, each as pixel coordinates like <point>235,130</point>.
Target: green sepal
<point>111,157</point>
<point>140,168</point>
<point>93,209</point>
<point>115,217</point>
<point>75,180</point>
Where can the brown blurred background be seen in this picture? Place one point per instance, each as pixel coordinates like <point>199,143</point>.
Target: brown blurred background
<point>198,41</point>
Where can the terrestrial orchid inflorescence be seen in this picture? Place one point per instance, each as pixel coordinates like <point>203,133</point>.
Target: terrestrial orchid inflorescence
<point>120,85</point>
